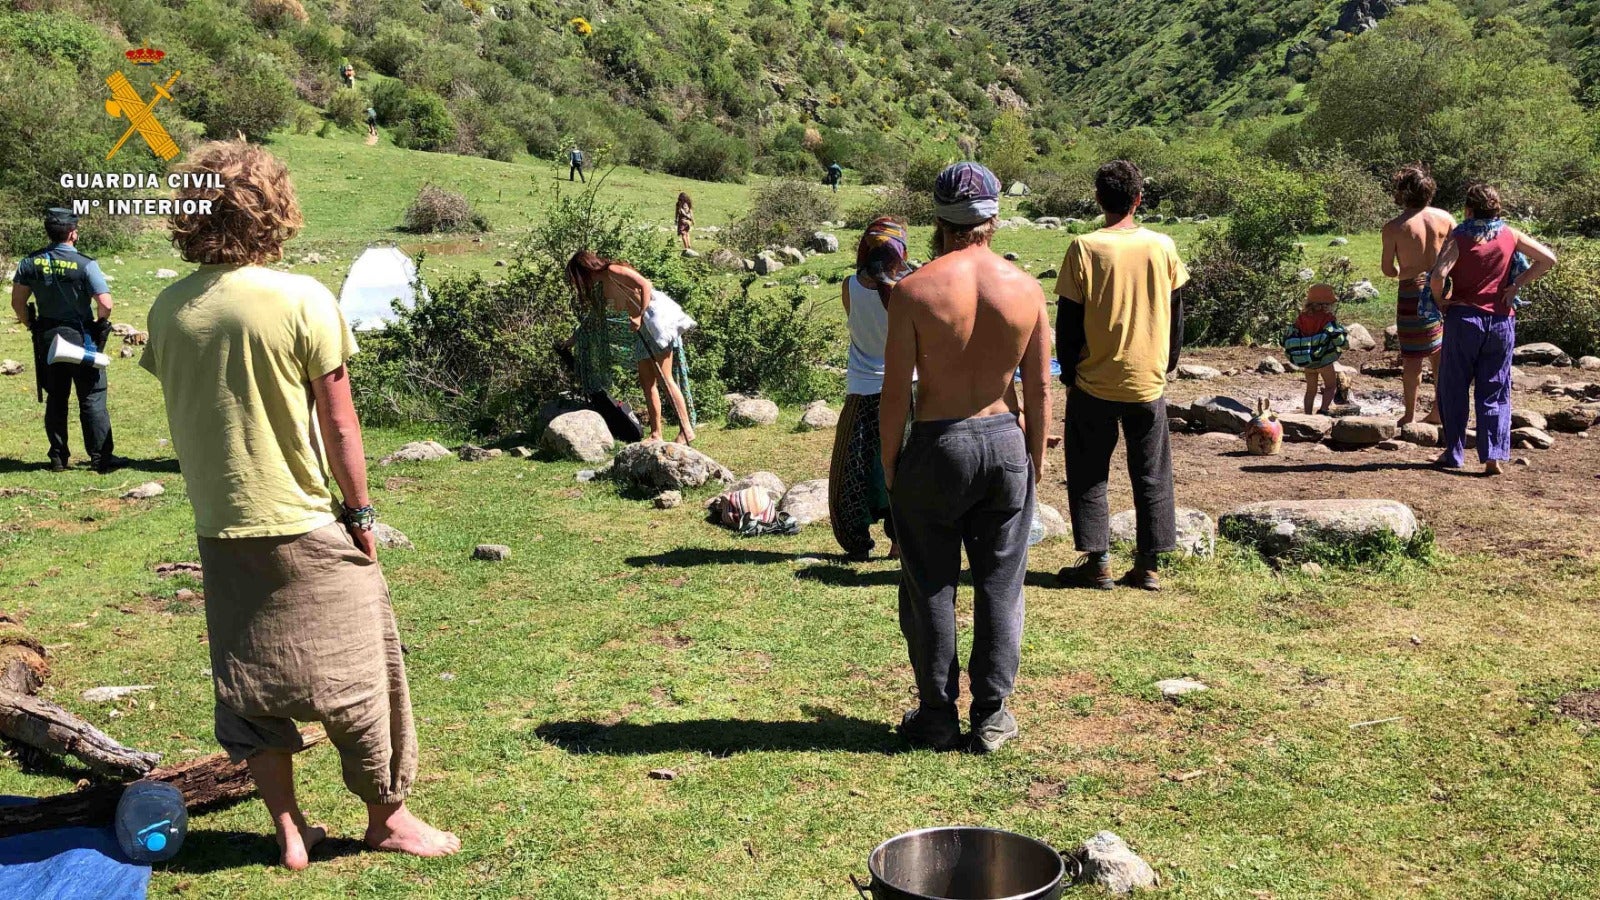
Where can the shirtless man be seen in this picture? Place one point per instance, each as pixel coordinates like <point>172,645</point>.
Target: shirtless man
<point>1411,244</point>
<point>967,475</point>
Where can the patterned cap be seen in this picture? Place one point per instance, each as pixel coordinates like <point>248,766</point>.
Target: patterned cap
<point>966,194</point>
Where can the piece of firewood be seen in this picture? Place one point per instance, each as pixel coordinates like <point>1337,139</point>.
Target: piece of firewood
<point>23,667</point>
<point>45,726</point>
<point>206,783</point>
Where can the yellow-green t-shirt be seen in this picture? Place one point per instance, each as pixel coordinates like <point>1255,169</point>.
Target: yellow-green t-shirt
<point>236,349</point>
<point>1124,277</point>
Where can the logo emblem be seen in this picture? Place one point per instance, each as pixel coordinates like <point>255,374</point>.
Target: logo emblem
<point>125,103</point>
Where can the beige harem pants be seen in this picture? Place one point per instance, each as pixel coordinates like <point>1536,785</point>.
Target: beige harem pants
<point>301,629</point>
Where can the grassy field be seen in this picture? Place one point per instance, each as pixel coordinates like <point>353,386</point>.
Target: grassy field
<point>619,639</point>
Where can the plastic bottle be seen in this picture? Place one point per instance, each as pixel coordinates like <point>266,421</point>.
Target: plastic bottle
<point>1036,531</point>
<point>151,821</point>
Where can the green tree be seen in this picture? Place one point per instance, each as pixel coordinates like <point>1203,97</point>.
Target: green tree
<point>1008,148</point>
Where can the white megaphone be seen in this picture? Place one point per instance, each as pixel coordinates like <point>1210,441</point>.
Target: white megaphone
<point>65,351</point>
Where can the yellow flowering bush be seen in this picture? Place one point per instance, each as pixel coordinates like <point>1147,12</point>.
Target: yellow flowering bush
<point>580,26</point>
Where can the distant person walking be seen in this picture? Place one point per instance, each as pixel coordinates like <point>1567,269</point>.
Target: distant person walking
<point>252,362</point>
<point>685,219</point>
<point>657,324</point>
<point>857,493</point>
<point>835,176</point>
<point>967,475</point>
<point>372,122</point>
<point>73,302</point>
<point>575,165</point>
<point>1482,276</point>
<point>1411,245</point>
<point>1118,333</point>
<point>348,75</point>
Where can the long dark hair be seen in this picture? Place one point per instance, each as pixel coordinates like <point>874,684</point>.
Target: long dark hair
<point>583,273</point>
<point>684,201</point>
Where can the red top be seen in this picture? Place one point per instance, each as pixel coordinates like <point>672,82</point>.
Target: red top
<point>1479,275</point>
<point>1312,321</point>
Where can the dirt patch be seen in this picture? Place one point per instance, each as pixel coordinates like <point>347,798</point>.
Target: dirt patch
<point>167,570</point>
<point>398,482</point>
<point>1581,705</point>
<point>1544,509</point>
<point>671,640</point>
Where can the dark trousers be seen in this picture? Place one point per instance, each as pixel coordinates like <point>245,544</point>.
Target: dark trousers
<point>576,169</point>
<point>60,380</point>
<point>963,483</point>
<point>1091,437</point>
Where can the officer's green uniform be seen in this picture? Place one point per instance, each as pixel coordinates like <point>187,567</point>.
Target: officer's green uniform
<point>64,284</point>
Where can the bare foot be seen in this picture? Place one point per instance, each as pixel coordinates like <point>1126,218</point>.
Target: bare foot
<point>654,436</point>
<point>686,436</point>
<point>1433,419</point>
<point>403,832</point>
<point>1406,419</point>
<point>1493,467</point>
<point>297,844</point>
<point>1444,462</point>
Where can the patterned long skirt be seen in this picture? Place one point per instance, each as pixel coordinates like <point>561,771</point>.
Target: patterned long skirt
<point>857,496</point>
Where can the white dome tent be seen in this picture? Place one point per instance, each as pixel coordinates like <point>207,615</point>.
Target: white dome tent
<point>379,277</point>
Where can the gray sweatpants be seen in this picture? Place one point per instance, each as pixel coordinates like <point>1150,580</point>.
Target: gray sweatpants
<point>963,483</point>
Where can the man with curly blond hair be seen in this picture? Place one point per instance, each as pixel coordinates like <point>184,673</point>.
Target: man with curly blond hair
<point>252,363</point>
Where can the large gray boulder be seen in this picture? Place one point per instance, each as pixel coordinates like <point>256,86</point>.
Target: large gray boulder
<point>767,264</point>
<point>1107,862</point>
<point>1278,527</point>
<point>1540,354</point>
<point>1299,428</point>
<point>1528,418</point>
<point>580,436</point>
<point>1360,337</point>
<point>752,411</point>
<point>728,260</point>
<point>818,416</point>
<point>417,451</point>
<point>1197,533</point>
<point>651,467</point>
<point>1362,431</point>
<point>823,242</point>
<point>1055,524</point>
<point>791,255</point>
<point>1197,372</point>
<point>807,501</point>
<point>1575,420</point>
<point>1220,414</point>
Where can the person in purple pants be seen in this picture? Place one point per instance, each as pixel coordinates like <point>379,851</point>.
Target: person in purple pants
<point>1474,280</point>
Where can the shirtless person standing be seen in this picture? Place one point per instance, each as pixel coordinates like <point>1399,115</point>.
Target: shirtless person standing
<point>968,473</point>
<point>1411,244</point>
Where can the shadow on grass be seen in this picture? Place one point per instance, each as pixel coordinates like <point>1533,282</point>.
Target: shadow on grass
<point>826,731</point>
<point>205,850</point>
<point>13,466</point>
<point>846,576</point>
<point>686,557</point>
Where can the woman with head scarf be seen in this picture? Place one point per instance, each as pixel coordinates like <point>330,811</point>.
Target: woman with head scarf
<point>1476,282</point>
<point>857,496</point>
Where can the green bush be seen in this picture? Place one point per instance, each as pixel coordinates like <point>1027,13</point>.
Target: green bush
<point>782,212</point>
<point>909,206</point>
<point>250,95</point>
<point>427,124</point>
<point>705,153</point>
<point>772,344</point>
<point>348,110</point>
<point>1565,304</point>
<point>1232,298</point>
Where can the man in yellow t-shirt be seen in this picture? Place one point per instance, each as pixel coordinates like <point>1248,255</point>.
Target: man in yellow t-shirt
<point>1118,330</point>
<point>252,364</point>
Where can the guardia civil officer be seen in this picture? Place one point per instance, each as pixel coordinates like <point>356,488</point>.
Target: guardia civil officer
<point>72,301</point>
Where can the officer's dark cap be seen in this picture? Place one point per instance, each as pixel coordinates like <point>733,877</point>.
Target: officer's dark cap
<point>58,217</point>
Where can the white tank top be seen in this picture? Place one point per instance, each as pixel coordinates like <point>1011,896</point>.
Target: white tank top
<point>869,332</point>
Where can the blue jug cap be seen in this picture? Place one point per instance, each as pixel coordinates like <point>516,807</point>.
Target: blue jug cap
<point>156,842</point>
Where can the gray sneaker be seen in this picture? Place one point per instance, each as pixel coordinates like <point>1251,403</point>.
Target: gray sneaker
<point>993,732</point>
<point>930,729</point>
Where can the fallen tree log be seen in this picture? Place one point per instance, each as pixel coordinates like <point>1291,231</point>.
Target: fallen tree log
<point>206,783</point>
<point>23,667</point>
<point>46,726</point>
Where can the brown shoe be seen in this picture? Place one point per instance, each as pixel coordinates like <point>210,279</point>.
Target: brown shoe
<point>1141,578</point>
<point>1087,574</point>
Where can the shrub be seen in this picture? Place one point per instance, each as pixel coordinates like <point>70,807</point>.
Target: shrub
<point>1354,199</point>
<point>427,125</point>
<point>437,209</point>
<point>278,13</point>
<point>1059,194</point>
<point>347,109</point>
<point>1008,148</point>
<point>1575,208</point>
<point>784,211</point>
<point>249,95</point>
<point>1231,299</point>
<point>1565,304</point>
<point>773,344</point>
<point>705,153</point>
<point>909,206</point>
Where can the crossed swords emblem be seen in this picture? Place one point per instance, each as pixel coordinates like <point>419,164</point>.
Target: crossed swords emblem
<point>126,103</point>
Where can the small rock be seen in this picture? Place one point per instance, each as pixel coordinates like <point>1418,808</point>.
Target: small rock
<point>1576,420</point>
<point>1589,363</point>
<point>491,552</point>
<point>417,451</point>
<point>823,242</point>
<point>1540,354</point>
<point>1391,338</point>
<point>669,500</point>
<point>1305,274</point>
<point>1363,290</point>
<point>474,453</point>
<point>1339,242</point>
<point>145,491</point>
<point>651,467</point>
<point>1299,428</point>
<point>580,436</point>
<point>1011,256</point>
<point>522,452</point>
<point>1420,433</point>
<point>499,264</point>
<point>391,538</point>
<point>447,676</point>
<point>818,417</point>
<point>663,774</point>
<point>1521,461</point>
<point>1362,431</point>
<point>11,367</point>
<point>1535,438</point>
<point>773,484</point>
<point>690,253</point>
<point>1311,570</point>
<point>1106,861</point>
<point>1055,524</point>
<point>1269,365</point>
<point>1049,274</point>
<point>766,264</point>
<point>1221,414</point>
<point>1527,418</point>
<point>1360,338</point>
<point>807,501</point>
<point>791,255</point>
<point>126,352</point>
<point>752,412</point>
<point>1416,640</point>
<point>585,475</point>
<point>1393,445</point>
<point>1197,372</point>
<point>166,273</point>
<point>1197,532</point>
<point>184,595</point>
<point>810,561</point>
<point>1173,688</point>
<point>108,694</point>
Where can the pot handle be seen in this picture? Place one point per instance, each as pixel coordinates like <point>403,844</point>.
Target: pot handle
<point>859,889</point>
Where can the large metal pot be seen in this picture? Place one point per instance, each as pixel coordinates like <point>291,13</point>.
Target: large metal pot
<point>963,863</point>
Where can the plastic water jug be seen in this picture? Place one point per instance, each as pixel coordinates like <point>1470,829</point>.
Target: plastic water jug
<point>151,821</point>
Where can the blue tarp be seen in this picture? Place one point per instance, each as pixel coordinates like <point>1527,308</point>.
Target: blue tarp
<point>68,864</point>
